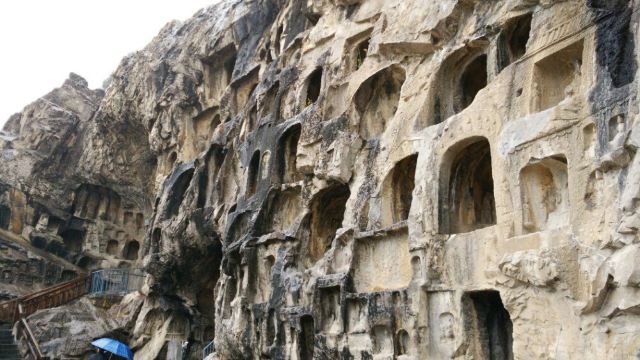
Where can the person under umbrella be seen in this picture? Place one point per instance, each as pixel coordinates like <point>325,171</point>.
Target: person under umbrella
<point>113,347</point>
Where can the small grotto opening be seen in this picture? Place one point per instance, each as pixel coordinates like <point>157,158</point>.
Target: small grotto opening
<point>473,79</point>
<point>253,174</point>
<point>402,184</point>
<point>376,101</point>
<point>176,195</point>
<point>360,53</point>
<point>112,247</point>
<point>287,154</point>
<point>512,42</point>
<point>545,194</point>
<point>131,249</point>
<point>557,76</point>
<point>306,341</point>
<point>73,240</point>
<point>5,217</point>
<point>489,325</point>
<point>327,213</point>
<point>314,86</point>
<point>466,194</point>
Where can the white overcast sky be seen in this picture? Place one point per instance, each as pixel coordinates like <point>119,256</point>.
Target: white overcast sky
<point>42,41</point>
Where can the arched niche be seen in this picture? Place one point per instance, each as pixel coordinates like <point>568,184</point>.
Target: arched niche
<point>488,325</point>
<point>462,75</point>
<point>513,39</point>
<point>5,217</point>
<point>218,72</point>
<point>544,194</point>
<point>177,192</point>
<point>208,192</point>
<point>253,174</point>
<point>306,340</point>
<point>376,101</point>
<point>327,213</point>
<point>287,154</point>
<point>112,247</point>
<point>466,198</point>
<point>282,209</point>
<point>313,87</point>
<point>73,240</point>
<point>398,191</point>
<point>131,250</point>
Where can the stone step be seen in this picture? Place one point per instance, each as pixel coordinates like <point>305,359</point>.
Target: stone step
<point>8,347</point>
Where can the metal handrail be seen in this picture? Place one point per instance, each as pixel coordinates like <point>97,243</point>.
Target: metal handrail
<point>115,281</point>
<point>208,349</point>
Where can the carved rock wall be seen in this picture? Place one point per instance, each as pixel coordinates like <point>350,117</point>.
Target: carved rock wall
<point>367,179</point>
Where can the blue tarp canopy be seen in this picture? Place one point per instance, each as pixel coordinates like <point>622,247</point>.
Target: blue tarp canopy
<point>114,346</point>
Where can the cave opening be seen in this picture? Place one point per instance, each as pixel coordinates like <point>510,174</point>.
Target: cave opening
<point>39,242</point>
<point>131,249</point>
<point>327,213</point>
<point>489,324</point>
<point>112,247</point>
<point>467,200</point>
<point>5,217</point>
<point>218,72</point>
<point>253,173</point>
<point>209,175</point>
<point>545,194</point>
<point>176,196</point>
<point>73,240</point>
<point>403,182</point>
<point>376,100</point>
<point>360,53</point>
<point>402,343</point>
<point>473,79</point>
<point>557,76</point>
<point>307,337</point>
<point>283,207</point>
<point>314,86</point>
<point>57,248</point>
<point>513,40</point>
<point>287,153</point>
<point>156,239</point>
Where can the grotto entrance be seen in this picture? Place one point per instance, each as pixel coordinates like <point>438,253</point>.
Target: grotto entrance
<point>474,79</point>
<point>314,85</point>
<point>252,176</point>
<point>205,273</point>
<point>377,99</point>
<point>307,337</point>
<point>466,191</point>
<point>401,185</point>
<point>5,217</point>
<point>287,153</point>
<point>327,213</point>
<point>74,239</point>
<point>489,325</point>
<point>131,249</point>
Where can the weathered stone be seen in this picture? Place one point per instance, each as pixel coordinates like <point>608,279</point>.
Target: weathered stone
<point>353,179</point>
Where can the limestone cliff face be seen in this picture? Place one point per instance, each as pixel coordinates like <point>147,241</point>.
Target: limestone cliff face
<point>354,179</point>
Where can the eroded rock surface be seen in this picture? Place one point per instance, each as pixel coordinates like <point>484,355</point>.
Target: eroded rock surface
<point>355,180</point>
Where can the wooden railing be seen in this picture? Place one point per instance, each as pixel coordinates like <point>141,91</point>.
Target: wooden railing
<point>25,336</point>
<point>16,309</point>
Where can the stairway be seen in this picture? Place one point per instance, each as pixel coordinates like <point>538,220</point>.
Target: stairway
<point>8,347</point>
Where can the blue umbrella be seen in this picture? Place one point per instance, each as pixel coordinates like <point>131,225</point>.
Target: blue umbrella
<point>114,346</point>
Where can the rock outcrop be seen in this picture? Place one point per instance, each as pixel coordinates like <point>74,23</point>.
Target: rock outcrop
<point>353,180</point>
